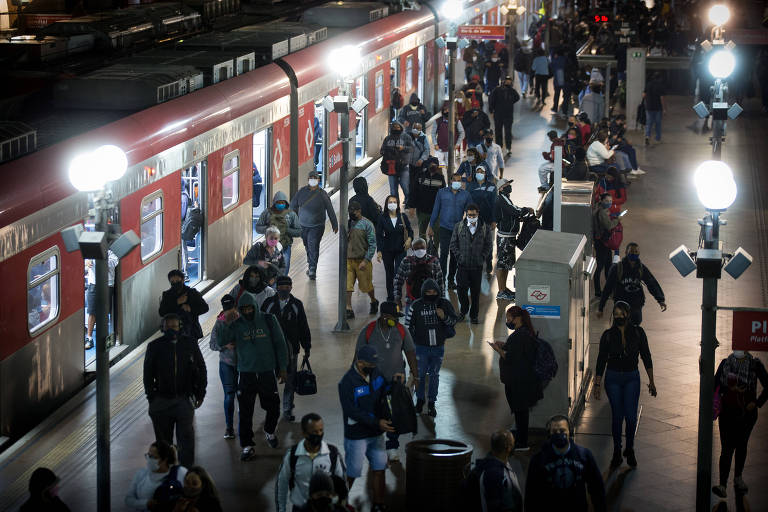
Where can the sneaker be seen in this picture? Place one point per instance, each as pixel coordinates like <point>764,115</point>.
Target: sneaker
<point>719,490</point>
<point>419,406</point>
<point>502,295</point>
<point>451,285</point>
<point>229,433</point>
<point>374,307</point>
<point>630,455</point>
<point>489,275</point>
<point>523,448</point>
<point>636,172</point>
<point>350,313</point>
<point>739,485</point>
<point>393,455</point>
<point>616,259</point>
<point>289,417</point>
<point>431,411</point>
<point>647,141</point>
<point>616,460</point>
<point>248,453</point>
<point>88,343</point>
<point>271,440</point>
<point>542,189</point>
<point>312,276</point>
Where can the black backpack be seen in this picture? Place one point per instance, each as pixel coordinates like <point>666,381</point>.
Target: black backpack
<point>419,273</point>
<point>530,224</point>
<point>192,224</point>
<point>293,458</point>
<point>170,488</point>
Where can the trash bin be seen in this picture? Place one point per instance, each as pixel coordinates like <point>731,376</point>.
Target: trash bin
<point>435,469</point>
<point>576,210</point>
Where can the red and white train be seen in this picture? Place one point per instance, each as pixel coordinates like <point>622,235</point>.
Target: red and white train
<point>209,143</point>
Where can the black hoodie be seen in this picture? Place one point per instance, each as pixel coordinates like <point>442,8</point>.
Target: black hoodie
<point>427,329</point>
<point>371,210</point>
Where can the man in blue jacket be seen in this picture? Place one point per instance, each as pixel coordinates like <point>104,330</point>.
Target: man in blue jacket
<point>450,204</point>
<point>362,392</point>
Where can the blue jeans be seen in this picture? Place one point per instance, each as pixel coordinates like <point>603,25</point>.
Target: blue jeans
<point>403,179</point>
<point>429,361</point>
<point>311,237</point>
<point>623,391</point>
<point>631,153</point>
<point>523,76</point>
<point>287,258</point>
<point>622,161</point>
<point>653,117</point>
<point>228,376</point>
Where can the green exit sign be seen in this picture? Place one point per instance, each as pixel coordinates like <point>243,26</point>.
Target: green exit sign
<point>637,55</point>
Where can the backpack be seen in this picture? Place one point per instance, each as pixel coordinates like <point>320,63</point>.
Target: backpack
<point>192,224</point>
<point>293,459</point>
<point>472,96</point>
<point>371,326</point>
<point>419,273</point>
<point>545,365</point>
<point>170,488</point>
<point>471,498</point>
<point>530,224</point>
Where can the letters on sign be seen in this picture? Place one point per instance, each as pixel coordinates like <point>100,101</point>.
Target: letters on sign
<point>750,330</point>
<point>482,31</point>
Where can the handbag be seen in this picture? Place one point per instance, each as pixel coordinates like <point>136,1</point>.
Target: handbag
<point>306,381</point>
<point>615,237</point>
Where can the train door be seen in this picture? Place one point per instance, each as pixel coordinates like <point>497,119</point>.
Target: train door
<point>194,209</point>
<point>319,134</point>
<point>420,79</point>
<point>361,131</point>
<point>261,175</point>
<point>394,82</point>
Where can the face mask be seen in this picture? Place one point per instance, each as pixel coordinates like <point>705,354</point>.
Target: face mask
<point>506,190</point>
<point>559,440</point>
<point>249,316</point>
<point>607,205</point>
<point>414,103</point>
<point>433,169</point>
<point>271,242</point>
<point>391,322</point>
<point>192,492</point>
<point>571,137</point>
<point>283,294</point>
<point>420,253</point>
<point>445,114</point>
<point>634,257</point>
<point>177,285</point>
<point>280,206</point>
<point>353,215</point>
<point>392,206</point>
<point>430,298</point>
<point>321,503</point>
<point>471,221</point>
<point>152,464</point>
<point>494,59</point>
<point>489,141</point>
<point>511,326</point>
<point>739,354</point>
<point>507,84</point>
<point>312,182</point>
<point>253,282</point>
<point>396,133</point>
<point>368,370</point>
<point>480,176</point>
<point>470,158</point>
<point>415,131</point>
<point>315,439</point>
<point>620,321</point>
<point>455,185</point>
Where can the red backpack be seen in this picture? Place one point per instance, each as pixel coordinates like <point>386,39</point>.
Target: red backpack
<point>472,95</point>
<point>371,326</point>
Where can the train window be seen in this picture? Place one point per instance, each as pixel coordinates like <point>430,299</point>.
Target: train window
<point>230,191</point>
<point>43,291</point>
<point>151,225</point>
<point>379,103</point>
<point>409,73</point>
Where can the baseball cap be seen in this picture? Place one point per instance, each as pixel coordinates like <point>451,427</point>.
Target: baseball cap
<point>368,354</point>
<point>503,182</point>
<point>227,302</point>
<point>389,308</point>
<point>313,174</point>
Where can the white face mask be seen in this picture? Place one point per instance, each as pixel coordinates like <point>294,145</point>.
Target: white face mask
<point>494,59</point>
<point>152,464</point>
<point>313,182</point>
<point>420,253</point>
<point>391,206</point>
<point>471,222</point>
<point>740,354</point>
<point>470,158</point>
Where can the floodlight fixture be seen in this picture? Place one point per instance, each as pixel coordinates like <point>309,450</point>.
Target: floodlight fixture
<point>328,103</point>
<point>451,9</point>
<point>93,245</point>
<point>359,104</point>
<point>681,259</point>
<point>701,110</point>
<point>722,64</point>
<point>520,10</point>
<point>125,244</point>
<point>739,262</point>
<point>719,14</point>
<point>71,237</point>
<point>440,42</point>
<point>715,185</point>
<point>345,60</point>
<point>734,111</point>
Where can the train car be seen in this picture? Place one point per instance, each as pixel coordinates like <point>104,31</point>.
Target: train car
<point>228,147</point>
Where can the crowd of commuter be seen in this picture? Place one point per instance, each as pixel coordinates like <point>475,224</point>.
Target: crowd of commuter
<point>441,237</point>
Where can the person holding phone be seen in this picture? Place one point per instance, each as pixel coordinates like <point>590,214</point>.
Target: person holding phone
<point>620,346</point>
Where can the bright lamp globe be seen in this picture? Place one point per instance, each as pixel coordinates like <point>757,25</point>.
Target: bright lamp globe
<point>721,64</point>
<point>345,60</point>
<point>451,9</point>
<point>84,173</point>
<point>719,14</point>
<point>715,185</point>
<point>112,162</point>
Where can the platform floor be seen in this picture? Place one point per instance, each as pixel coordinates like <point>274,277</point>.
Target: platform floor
<point>663,209</point>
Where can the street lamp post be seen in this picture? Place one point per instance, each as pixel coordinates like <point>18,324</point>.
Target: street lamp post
<point>452,10</point>
<point>346,61</point>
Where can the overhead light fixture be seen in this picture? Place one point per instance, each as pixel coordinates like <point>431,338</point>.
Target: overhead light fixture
<point>715,185</point>
<point>722,64</point>
<point>719,14</point>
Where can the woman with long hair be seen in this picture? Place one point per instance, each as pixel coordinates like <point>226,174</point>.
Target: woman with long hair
<point>200,494</point>
<point>518,359</point>
<point>160,463</point>
<point>393,239</point>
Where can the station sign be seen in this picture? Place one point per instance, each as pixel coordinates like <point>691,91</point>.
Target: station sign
<point>750,330</point>
<point>539,311</point>
<point>482,31</point>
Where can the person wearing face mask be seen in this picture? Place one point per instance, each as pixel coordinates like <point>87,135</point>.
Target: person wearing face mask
<point>361,247</point>
<point>562,473</point>
<point>396,149</point>
<point>501,105</point>
<point>175,379</point>
<point>432,321</point>
<point>262,352</point>
<point>324,495</point>
<point>441,135</point>
<point>475,123</point>
<point>507,217</point>
<point>199,493</point>
<point>43,493</point>
<point>414,112</point>
<point>361,390</point>
<point>268,254</point>
<point>414,270</point>
<point>494,70</point>
<point>471,243</point>
<point>227,360</point>
<point>603,224</point>
<point>493,159</point>
<point>545,169</point>
<point>579,168</point>
<point>290,313</point>
<point>160,459</point>
<point>736,386</point>
<point>450,204</point>
<point>302,461</point>
<point>254,283</point>
<point>313,204</point>
<point>620,346</point>
<point>184,301</point>
<point>285,220</point>
<point>517,361</point>
<point>426,185</point>
<point>484,195</point>
<point>625,283</point>
<point>368,205</point>
<point>420,151</point>
<point>393,239</point>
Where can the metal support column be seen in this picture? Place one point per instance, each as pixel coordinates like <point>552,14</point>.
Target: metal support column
<point>341,324</point>
<point>607,92</point>
<point>452,44</point>
<point>706,384</point>
<point>635,83</point>
<point>557,187</point>
<point>102,365</point>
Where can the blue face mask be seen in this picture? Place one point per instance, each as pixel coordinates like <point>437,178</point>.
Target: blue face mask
<point>455,185</point>
<point>280,206</point>
<point>479,176</point>
<point>633,257</point>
